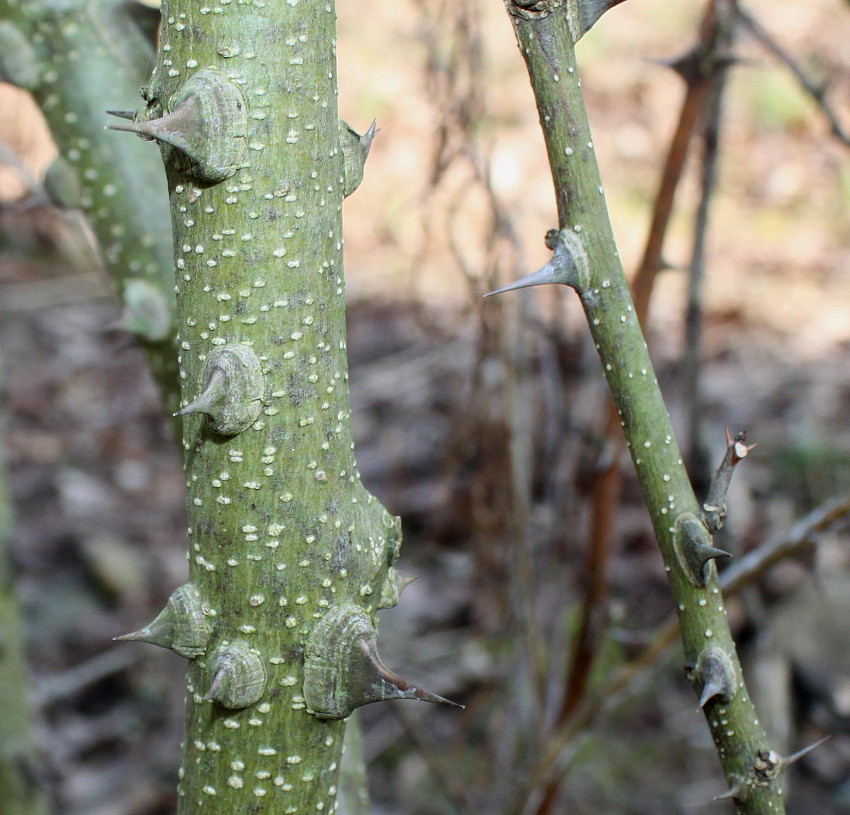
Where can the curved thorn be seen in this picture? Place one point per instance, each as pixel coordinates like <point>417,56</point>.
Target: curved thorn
<point>214,685</point>
<point>403,581</point>
<point>709,691</point>
<point>392,686</point>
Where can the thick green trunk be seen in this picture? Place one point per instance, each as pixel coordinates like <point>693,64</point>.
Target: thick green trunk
<point>290,556</point>
<point>77,58</point>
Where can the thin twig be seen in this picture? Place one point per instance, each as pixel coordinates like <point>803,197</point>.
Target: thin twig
<point>797,540</point>
<point>816,90</point>
<point>692,357</point>
<point>61,291</point>
<point>83,675</point>
<point>742,573</point>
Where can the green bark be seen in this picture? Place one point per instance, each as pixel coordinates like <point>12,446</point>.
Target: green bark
<point>586,258</point>
<point>282,534</point>
<point>20,793</point>
<point>78,58</point>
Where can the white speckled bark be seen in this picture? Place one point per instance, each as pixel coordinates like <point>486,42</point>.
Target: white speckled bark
<point>281,528</point>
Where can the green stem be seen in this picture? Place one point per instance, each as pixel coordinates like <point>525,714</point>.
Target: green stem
<point>547,45</point>
<point>79,58</point>
<point>290,556</point>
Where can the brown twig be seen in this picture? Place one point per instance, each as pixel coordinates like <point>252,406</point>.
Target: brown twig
<point>692,355</point>
<point>816,90</point>
<point>742,573</point>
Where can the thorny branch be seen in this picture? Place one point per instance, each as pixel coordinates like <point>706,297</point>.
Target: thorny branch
<point>591,267</point>
<point>631,677</point>
<point>699,69</point>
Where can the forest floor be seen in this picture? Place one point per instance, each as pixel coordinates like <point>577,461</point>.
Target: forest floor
<point>462,409</point>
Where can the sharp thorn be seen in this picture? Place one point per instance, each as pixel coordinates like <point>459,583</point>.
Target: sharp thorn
<point>366,138</point>
<point>392,686</point>
<point>205,401</point>
<point>171,128</point>
<point>736,792</point>
<point>708,693</point>
<point>123,114</point>
<point>214,685</point>
<point>404,581</point>
<point>712,552</point>
<point>794,757</point>
<point>134,128</point>
<point>541,277</point>
<point>142,635</point>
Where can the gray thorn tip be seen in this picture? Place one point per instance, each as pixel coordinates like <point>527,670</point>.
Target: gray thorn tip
<point>738,793</point>
<point>214,685</point>
<point>398,687</point>
<point>366,138</point>
<point>794,757</point>
<point>712,553</point>
<point>122,114</point>
<point>541,277</point>
<point>142,635</point>
<point>404,581</point>
<point>709,691</point>
<point>206,400</point>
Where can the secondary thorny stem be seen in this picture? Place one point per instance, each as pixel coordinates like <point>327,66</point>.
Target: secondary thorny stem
<point>547,43</point>
<point>78,58</point>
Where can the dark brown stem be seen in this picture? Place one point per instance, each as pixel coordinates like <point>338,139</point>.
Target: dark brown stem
<point>691,362</point>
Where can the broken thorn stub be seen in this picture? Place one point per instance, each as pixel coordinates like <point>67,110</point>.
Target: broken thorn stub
<point>238,676</point>
<point>714,506</point>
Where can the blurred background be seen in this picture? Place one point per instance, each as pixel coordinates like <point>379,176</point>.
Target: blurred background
<point>481,423</point>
